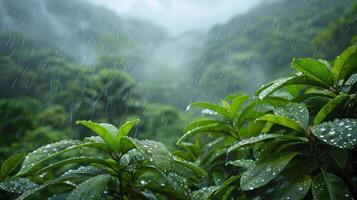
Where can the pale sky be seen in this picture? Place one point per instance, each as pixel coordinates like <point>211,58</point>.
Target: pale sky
<point>179,16</point>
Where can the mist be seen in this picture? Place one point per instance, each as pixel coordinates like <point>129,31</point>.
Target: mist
<point>180,16</point>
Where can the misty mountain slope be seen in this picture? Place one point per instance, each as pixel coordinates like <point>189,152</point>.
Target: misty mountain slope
<point>259,45</point>
<point>78,29</point>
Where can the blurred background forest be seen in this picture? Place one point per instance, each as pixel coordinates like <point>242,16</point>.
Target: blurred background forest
<point>61,61</point>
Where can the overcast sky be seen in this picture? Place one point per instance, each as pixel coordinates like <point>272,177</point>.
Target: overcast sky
<point>178,16</point>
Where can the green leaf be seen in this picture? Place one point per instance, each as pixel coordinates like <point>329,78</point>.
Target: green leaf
<point>10,164</point>
<point>297,188</point>
<point>340,156</point>
<point>293,80</point>
<point>79,160</point>
<point>91,189</point>
<point>236,104</point>
<point>253,140</point>
<point>105,131</point>
<point>33,161</point>
<point>209,128</point>
<point>215,108</point>
<point>202,122</point>
<point>17,185</point>
<point>316,69</point>
<point>329,107</point>
<point>295,111</point>
<point>203,193</point>
<point>345,64</point>
<point>328,186</point>
<point>196,169</point>
<point>283,121</point>
<point>339,133</point>
<point>242,163</point>
<point>124,130</point>
<point>265,170</point>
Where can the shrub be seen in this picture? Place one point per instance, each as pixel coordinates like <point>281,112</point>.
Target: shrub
<point>294,139</point>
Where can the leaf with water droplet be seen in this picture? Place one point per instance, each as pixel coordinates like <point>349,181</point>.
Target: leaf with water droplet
<point>297,188</point>
<point>215,108</point>
<point>265,170</point>
<point>340,133</point>
<point>17,185</point>
<point>345,64</point>
<point>34,160</point>
<point>271,87</point>
<point>242,163</point>
<point>91,189</point>
<point>318,70</point>
<point>105,131</point>
<point>327,186</point>
<point>253,140</point>
<point>203,193</point>
<point>295,111</point>
<point>283,121</point>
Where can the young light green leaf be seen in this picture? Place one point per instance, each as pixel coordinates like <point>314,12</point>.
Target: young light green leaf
<point>329,107</point>
<point>339,133</point>
<point>283,121</point>
<point>316,69</point>
<point>327,186</point>
<point>209,128</point>
<point>124,130</point>
<point>253,140</point>
<point>236,104</point>
<point>297,188</point>
<point>295,111</point>
<point>10,164</point>
<point>105,131</point>
<point>91,189</point>
<point>215,108</point>
<point>345,64</point>
<point>265,170</point>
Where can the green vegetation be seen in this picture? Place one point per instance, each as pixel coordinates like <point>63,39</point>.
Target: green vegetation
<point>250,148</point>
<point>292,138</point>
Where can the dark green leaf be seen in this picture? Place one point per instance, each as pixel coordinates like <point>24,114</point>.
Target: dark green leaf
<point>17,185</point>
<point>297,187</point>
<point>265,170</point>
<point>253,140</point>
<point>295,111</point>
<point>91,189</point>
<point>339,133</point>
<point>327,186</point>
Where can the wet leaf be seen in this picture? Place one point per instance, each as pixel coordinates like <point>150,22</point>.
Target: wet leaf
<point>283,121</point>
<point>17,185</point>
<point>203,193</point>
<point>297,188</point>
<point>91,189</point>
<point>105,131</point>
<point>253,140</point>
<point>265,170</point>
<point>295,111</point>
<point>338,133</point>
<point>316,69</point>
<point>327,186</point>
<point>345,64</point>
<point>215,108</point>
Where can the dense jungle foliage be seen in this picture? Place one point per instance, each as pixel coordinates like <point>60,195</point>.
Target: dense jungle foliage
<point>64,83</point>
